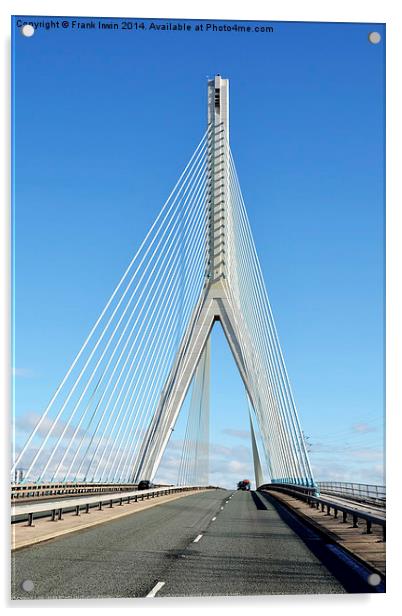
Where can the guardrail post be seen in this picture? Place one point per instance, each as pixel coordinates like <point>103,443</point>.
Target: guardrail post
<point>344,517</point>
<point>368,527</point>
<point>121,501</point>
<point>322,507</point>
<point>60,514</point>
<point>53,515</point>
<point>100,506</point>
<point>328,510</point>
<point>355,524</point>
<point>30,520</point>
<point>335,512</point>
<point>111,503</point>
<point>77,510</point>
<point>87,508</point>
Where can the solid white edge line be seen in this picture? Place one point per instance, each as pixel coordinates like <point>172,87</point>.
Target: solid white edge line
<point>156,589</point>
<point>198,537</point>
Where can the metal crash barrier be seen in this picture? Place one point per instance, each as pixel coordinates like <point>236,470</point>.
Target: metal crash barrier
<point>55,509</point>
<point>307,495</point>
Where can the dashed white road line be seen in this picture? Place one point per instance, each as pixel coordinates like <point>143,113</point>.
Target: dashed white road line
<point>221,508</point>
<point>198,537</point>
<point>213,519</point>
<point>156,589</point>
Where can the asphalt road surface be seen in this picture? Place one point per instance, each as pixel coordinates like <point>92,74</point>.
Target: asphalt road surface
<point>178,549</point>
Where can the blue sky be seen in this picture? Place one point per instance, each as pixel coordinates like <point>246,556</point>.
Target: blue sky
<point>103,124</point>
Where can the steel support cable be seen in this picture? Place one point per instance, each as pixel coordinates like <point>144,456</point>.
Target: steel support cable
<point>309,476</point>
<point>256,317</point>
<point>194,412</point>
<point>140,397</point>
<point>197,412</point>
<point>183,477</point>
<point>260,387</point>
<point>270,412</point>
<point>83,347</point>
<point>167,417</point>
<point>243,341</point>
<point>168,302</point>
<point>88,406</point>
<point>259,337</point>
<point>258,472</point>
<point>180,473</point>
<point>176,260</point>
<point>121,371</point>
<point>133,462</point>
<point>81,442</point>
<point>257,401</point>
<point>155,279</point>
<point>176,368</point>
<point>51,429</point>
<point>289,419</point>
<point>159,442</point>
<point>255,321</point>
<point>246,294</point>
<point>128,426</point>
<point>239,252</point>
<point>162,365</point>
<point>235,301</point>
<point>186,307</point>
<point>254,422</point>
<point>255,394</point>
<point>94,371</point>
<point>135,340</point>
<point>177,253</point>
<point>136,456</point>
<point>203,440</point>
<point>137,336</point>
<point>137,425</point>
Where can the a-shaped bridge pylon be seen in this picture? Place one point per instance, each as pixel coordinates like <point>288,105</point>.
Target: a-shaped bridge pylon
<point>113,413</point>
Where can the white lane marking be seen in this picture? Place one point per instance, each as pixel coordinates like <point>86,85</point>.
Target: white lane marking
<point>156,589</point>
<point>213,519</point>
<point>198,537</point>
<point>221,508</point>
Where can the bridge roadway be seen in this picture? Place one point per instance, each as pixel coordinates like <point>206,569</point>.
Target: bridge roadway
<point>212,543</point>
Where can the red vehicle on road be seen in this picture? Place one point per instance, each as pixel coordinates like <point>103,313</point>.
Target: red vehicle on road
<point>244,484</point>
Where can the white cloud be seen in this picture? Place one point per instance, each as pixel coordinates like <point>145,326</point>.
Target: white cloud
<point>227,465</point>
<point>243,434</point>
<point>348,463</point>
<point>28,421</point>
<point>25,373</point>
<point>363,428</point>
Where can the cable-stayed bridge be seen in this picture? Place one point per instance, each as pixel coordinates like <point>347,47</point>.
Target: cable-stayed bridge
<point>109,421</point>
<point>111,417</point>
